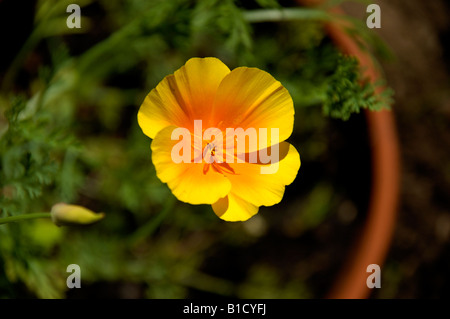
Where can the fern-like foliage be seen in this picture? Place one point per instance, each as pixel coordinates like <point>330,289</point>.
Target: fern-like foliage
<point>31,152</point>
<point>347,93</point>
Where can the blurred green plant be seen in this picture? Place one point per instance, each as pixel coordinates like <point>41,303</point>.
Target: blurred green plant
<point>68,133</point>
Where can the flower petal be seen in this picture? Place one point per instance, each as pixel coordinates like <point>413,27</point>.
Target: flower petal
<point>252,98</point>
<point>187,181</point>
<point>233,208</point>
<point>183,97</point>
<point>266,189</point>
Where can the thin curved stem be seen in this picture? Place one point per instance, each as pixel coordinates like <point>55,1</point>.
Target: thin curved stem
<point>147,229</point>
<point>12,219</point>
<point>285,14</point>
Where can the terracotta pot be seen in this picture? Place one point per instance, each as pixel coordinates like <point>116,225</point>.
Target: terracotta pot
<point>372,245</point>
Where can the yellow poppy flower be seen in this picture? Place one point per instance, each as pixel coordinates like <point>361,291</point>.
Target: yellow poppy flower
<point>249,113</point>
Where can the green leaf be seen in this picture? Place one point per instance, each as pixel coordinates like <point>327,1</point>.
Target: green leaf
<point>347,93</point>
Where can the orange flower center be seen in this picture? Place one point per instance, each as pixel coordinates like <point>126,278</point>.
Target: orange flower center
<point>212,157</point>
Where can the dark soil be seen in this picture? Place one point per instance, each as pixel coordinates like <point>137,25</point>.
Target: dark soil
<point>418,32</point>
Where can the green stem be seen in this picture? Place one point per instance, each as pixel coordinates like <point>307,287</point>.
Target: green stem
<point>208,283</point>
<point>147,229</point>
<point>12,219</point>
<point>276,15</point>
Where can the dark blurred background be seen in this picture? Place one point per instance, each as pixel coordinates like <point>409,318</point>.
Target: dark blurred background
<point>418,32</point>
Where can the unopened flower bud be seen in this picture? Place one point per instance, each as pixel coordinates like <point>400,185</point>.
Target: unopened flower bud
<point>64,214</point>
